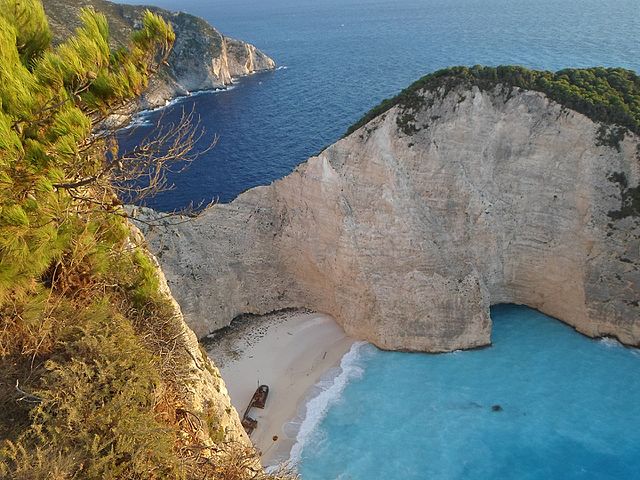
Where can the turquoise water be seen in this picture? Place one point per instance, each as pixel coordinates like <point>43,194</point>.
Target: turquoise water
<point>569,408</point>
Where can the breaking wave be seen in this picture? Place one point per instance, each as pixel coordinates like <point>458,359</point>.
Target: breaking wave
<point>325,393</point>
<point>143,117</point>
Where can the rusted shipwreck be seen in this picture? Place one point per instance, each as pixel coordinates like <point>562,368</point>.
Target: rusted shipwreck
<point>258,400</point>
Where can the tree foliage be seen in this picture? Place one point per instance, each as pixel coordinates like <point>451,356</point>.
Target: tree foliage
<point>91,363</point>
<point>50,102</point>
<point>607,95</point>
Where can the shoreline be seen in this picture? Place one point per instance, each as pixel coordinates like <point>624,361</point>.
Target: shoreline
<point>291,352</point>
<point>137,119</point>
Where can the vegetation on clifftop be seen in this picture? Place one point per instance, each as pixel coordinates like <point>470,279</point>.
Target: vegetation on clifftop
<point>92,368</point>
<point>607,95</point>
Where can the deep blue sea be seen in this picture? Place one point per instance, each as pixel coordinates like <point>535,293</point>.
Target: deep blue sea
<point>342,57</point>
<point>569,407</point>
<point>543,402</point>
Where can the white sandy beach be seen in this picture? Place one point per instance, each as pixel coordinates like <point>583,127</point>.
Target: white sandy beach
<point>289,352</point>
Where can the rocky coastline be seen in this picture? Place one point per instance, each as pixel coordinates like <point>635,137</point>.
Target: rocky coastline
<point>410,228</point>
<point>202,58</point>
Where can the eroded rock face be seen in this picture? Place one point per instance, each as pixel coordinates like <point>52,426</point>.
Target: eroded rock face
<point>407,234</point>
<point>203,391</point>
<point>202,58</point>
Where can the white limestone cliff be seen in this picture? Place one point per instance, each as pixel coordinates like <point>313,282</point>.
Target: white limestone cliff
<point>408,237</point>
<point>202,59</point>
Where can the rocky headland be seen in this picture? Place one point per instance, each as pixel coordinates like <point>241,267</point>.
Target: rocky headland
<point>201,59</point>
<point>460,193</point>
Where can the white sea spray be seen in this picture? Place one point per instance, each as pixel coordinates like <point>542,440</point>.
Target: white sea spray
<point>610,342</point>
<point>142,118</point>
<point>330,392</point>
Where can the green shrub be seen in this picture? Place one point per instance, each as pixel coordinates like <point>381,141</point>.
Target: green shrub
<point>95,405</point>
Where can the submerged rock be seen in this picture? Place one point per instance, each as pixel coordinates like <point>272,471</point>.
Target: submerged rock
<point>407,230</point>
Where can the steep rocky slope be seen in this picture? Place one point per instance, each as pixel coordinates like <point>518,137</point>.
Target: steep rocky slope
<point>204,392</point>
<point>100,377</point>
<point>202,58</point>
<point>407,230</point>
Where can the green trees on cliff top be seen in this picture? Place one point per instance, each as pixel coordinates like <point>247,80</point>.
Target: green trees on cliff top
<point>607,95</point>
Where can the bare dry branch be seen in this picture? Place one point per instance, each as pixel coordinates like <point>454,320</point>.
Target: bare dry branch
<point>26,397</point>
<point>141,172</point>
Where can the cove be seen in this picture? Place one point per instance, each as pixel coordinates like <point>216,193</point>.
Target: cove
<point>542,402</point>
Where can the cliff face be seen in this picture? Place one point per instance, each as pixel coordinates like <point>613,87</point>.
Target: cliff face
<point>203,391</point>
<point>410,228</point>
<point>202,58</point>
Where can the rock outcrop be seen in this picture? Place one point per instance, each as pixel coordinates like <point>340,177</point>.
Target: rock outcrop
<point>202,58</point>
<point>407,230</point>
<point>203,391</point>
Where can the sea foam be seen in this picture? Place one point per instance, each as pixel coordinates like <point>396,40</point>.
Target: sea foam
<point>329,391</point>
<point>543,402</point>
<point>610,342</point>
<point>143,117</point>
